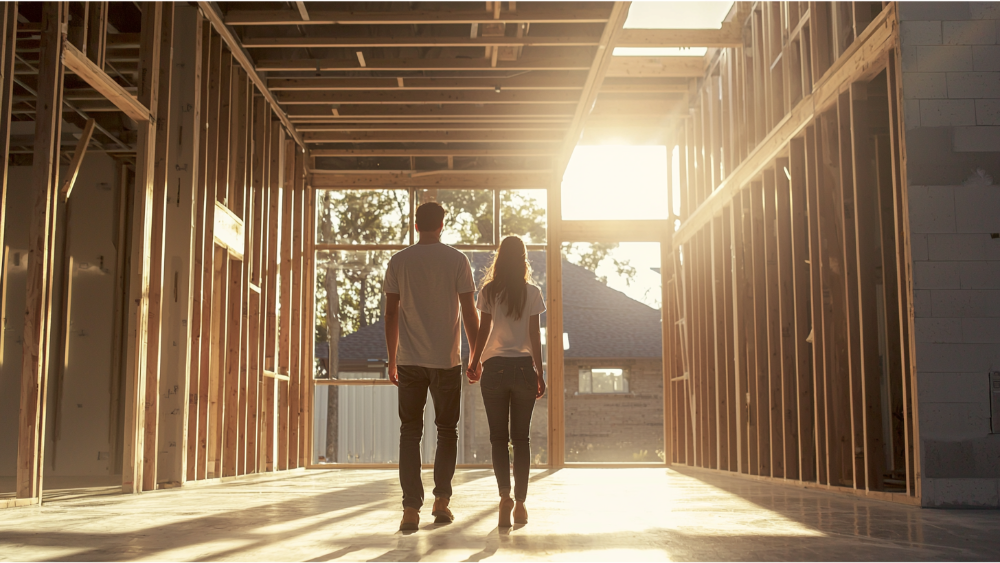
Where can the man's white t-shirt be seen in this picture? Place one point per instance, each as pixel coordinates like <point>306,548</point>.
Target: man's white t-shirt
<point>428,279</point>
<point>509,337</point>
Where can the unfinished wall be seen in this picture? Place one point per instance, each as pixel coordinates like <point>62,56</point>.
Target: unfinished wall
<point>951,92</point>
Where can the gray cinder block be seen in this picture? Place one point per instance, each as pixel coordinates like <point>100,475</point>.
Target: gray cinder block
<point>986,58</point>
<point>973,84</point>
<point>974,32</point>
<point>977,208</point>
<point>988,111</point>
<point>981,331</point>
<point>966,303</point>
<point>944,58</point>
<point>947,113</point>
<point>925,85</point>
<point>937,275</point>
<point>935,11</point>
<point>920,33</point>
<point>927,329</point>
<point>983,138</point>
<point>932,209</point>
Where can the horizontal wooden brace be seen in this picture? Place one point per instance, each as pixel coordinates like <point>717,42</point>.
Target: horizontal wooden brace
<point>415,17</point>
<point>420,65</point>
<point>410,41</point>
<point>377,97</point>
<point>433,126</point>
<point>731,35</point>
<point>614,231</point>
<point>431,110</point>
<point>457,179</point>
<point>78,63</point>
<point>857,63</point>
<point>432,136</point>
<point>657,67</point>
<point>367,153</point>
<point>561,81</point>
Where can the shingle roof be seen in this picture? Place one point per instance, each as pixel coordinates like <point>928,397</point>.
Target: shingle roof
<point>601,322</point>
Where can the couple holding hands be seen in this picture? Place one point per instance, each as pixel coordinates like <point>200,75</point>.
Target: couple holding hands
<point>429,291</point>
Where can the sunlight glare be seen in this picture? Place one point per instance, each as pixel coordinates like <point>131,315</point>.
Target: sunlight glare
<point>623,182</point>
<point>677,15</point>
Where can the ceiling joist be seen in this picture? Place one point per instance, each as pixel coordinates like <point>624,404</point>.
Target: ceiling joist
<point>580,14</point>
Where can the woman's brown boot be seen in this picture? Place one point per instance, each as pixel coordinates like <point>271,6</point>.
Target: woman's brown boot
<point>520,513</point>
<point>506,505</point>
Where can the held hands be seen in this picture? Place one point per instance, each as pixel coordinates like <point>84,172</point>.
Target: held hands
<point>541,386</point>
<point>475,372</point>
<point>393,374</point>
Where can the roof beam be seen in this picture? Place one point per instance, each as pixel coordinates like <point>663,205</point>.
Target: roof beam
<point>599,67</point>
<point>657,67</point>
<point>369,153</point>
<point>418,65</point>
<point>432,136</point>
<point>427,97</point>
<point>209,9</point>
<point>430,110</point>
<point>301,7</point>
<point>78,63</point>
<point>411,41</point>
<point>731,35</point>
<point>397,126</point>
<point>562,81</point>
<point>581,14</point>
<point>512,179</point>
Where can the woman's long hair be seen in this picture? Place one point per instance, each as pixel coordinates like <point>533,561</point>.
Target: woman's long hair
<point>508,276</point>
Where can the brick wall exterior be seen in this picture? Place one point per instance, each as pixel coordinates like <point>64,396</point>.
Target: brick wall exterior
<point>951,92</point>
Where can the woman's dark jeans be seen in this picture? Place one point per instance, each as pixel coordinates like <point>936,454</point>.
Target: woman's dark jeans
<point>509,387</point>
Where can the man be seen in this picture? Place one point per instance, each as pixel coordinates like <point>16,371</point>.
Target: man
<point>425,285</point>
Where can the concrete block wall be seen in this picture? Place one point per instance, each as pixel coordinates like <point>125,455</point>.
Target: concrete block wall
<point>951,100</point>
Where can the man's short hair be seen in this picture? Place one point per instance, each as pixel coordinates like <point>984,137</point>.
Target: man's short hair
<point>430,216</point>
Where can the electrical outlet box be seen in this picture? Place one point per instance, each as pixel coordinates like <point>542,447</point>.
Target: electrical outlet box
<point>102,456</point>
<point>995,402</point>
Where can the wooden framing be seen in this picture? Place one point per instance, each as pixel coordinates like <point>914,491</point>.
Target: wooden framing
<point>808,215</point>
<point>789,265</point>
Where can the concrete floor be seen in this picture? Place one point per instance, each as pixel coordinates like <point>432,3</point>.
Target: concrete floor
<point>574,515</point>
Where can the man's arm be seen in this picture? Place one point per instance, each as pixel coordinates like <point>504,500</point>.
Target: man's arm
<point>535,335</point>
<point>470,318</point>
<point>392,333</point>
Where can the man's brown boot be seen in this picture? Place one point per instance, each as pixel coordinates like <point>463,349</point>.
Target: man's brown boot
<point>441,513</point>
<point>411,519</point>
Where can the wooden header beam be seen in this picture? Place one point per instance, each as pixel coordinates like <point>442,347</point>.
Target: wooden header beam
<point>458,179</point>
<point>410,41</point>
<point>415,17</point>
<point>731,35</point>
<point>657,67</point>
<point>433,136</point>
<point>602,61</point>
<point>78,63</point>
<point>564,81</point>
<point>367,153</point>
<point>378,97</point>
<point>241,56</point>
<point>412,65</point>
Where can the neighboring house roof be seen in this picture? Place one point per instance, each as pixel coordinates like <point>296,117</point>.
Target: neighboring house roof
<point>601,322</point>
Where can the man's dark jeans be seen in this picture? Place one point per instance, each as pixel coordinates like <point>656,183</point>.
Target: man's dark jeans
<point>446,391</point>
<point>509,387</point>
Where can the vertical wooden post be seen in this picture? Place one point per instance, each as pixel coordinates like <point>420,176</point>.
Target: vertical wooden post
<point>818,297</point>
<point>554,330</point>
<point>97,32</point>
<point>7,49</point>
<point>787,338</point>
<point>158,203</point>
<point>41,243</point>
<point>194,423</point>
<point>667,327</point>
<point>868,264</point>
<point>740,353</point>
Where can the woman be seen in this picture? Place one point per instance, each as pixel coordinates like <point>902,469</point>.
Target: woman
<point>509,345</point>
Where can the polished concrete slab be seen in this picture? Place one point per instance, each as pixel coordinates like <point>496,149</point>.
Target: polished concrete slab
<point>574,514</point>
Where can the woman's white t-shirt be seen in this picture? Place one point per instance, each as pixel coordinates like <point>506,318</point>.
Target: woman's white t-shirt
<point>509,337</point>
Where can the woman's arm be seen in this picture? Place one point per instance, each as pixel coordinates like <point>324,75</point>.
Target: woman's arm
<point>535,335</point>
<point>485,326</point>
